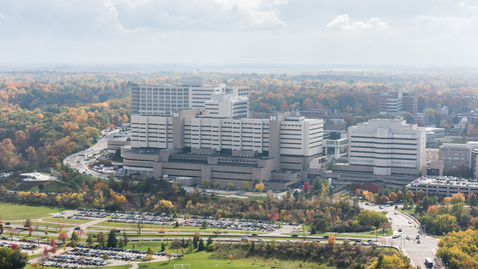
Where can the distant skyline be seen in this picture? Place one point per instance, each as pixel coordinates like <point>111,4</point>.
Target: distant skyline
<point>225,32</point>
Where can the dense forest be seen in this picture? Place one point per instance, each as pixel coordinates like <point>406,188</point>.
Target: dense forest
<point>45,116</point>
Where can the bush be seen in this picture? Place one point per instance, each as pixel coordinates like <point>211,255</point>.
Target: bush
<point>212,247</point>
<point>331,261</point>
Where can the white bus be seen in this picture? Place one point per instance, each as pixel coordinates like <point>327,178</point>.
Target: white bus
<point>428,262</point>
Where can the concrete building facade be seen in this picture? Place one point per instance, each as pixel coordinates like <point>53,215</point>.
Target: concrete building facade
<point>227,106</point>
<point>162,99</point>
<point>455,155</point>
<point>432,155</point>
<point>443,186</point>
<point>382,151</point>
<point>395,102</point>
<point>191,144</point>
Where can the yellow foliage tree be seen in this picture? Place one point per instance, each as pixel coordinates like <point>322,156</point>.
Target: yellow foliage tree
<point>164,206</point>
<point>260,187</point>
<point>457,198</point>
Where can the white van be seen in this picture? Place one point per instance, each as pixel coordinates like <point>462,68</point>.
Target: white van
<point>399,229</point>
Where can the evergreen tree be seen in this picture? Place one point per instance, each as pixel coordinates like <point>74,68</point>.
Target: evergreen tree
<point>252,246</point>
<point>74,236</point>
<point>425,204</point>
<point>183,243</point>
<point>112,241</point>
<point>209,241</point>
<point>473,201</point>
<point>201,245</point>
<point>313,231</point>
<point>195,242</point>
<point>125,239</point>
<point>89,240</point>
<point>101,239</point>
<point>163,247</point>
<point>177,224</point>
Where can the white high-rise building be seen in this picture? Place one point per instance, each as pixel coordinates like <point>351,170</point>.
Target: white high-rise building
<point>227,106</point>
<point>192,93</point>
<point>387,147</point>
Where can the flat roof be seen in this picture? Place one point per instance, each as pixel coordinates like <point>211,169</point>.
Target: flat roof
<point>35,176</point>
<point>444,180</point>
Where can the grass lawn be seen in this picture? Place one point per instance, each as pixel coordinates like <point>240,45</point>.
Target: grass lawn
<point>17,212</point>
<point>50,186</point>
<point>409,211</point>
<point>51,225</point>
<point>201,260</point>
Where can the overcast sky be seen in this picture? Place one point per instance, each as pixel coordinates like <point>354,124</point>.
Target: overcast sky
<point>386,32</point>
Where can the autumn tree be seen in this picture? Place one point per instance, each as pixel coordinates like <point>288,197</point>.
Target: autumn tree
<point>260,186</point>
<point>457,198</point>
<point>245,185</point>
<point>432,209</point>
<point>331,240</point>
<point>164,206</point>
<point>306,187</point>
<point>420,194</point>
<point>409,195</point>
<point>358,192</point>
<point>63,236</point>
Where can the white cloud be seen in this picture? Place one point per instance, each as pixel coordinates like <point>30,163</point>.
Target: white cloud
<point>203,15</point>
<point>343,22</point>
<point>1,16</point>
<point>465,5</point>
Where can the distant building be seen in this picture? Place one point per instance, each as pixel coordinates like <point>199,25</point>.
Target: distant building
<point>410,103</point>
<point>335,125</point>
<point>395,102</point>
<point>445,111</point>
<point>227,106</point>
<point>432,155</point>
<point>391,102</point>
<point>455,155</point>
<point>161,99</point>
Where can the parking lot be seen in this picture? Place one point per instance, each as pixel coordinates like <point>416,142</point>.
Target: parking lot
<point>165,219</point>
<point>26,244</point>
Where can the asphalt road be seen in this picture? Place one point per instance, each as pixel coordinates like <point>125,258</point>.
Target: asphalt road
<point>78,162</point>
<point>417,252</point>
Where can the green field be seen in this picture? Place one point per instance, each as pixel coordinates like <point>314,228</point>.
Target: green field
<point>50,186</point>
<point>10,211</point>
<point>201,260</point>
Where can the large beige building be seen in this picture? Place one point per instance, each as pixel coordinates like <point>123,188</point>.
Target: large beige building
<point>431,155</point>
<point>194,146</point>
<point>191,93</point>
<point>383,151</point>
<point>456,155</point>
